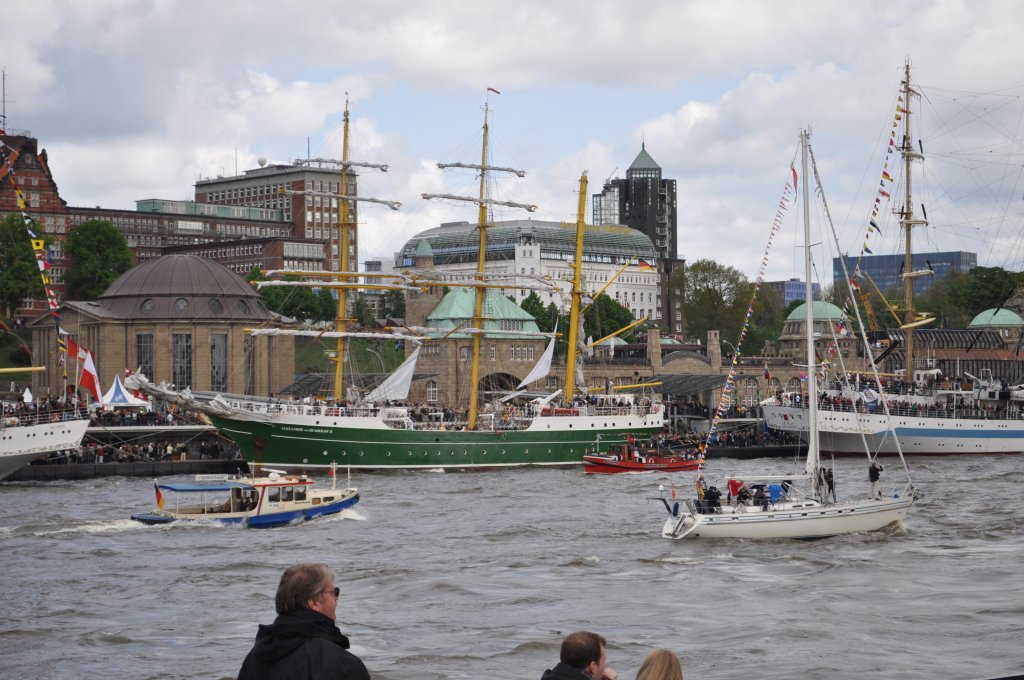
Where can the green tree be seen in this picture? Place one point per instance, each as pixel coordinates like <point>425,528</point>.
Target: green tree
<point>19,273</point>
<point>97,254</point>
<point>765,322</point>
<point>328,305</point>
<point>535,308</point>
<point>297,302</point>
<point>715,297</point>
<point>363,312</point>
<point>394,304</point>
<point>606,316</point>
<point>982,288</point>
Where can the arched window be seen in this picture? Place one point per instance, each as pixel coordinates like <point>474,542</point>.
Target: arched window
<point>431,391</point>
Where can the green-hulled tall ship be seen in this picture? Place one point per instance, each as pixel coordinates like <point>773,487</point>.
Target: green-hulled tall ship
<point>369,433</point>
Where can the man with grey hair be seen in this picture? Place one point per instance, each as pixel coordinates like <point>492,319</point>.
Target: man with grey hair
<point>303,641</point>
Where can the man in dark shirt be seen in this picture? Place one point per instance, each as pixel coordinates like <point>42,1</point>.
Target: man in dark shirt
<point>303,641</point>
<point>582,657</point>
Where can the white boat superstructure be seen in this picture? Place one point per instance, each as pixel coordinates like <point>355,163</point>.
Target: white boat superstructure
<point>26,438</point>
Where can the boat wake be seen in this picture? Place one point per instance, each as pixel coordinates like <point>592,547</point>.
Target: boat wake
<point>104,527</point>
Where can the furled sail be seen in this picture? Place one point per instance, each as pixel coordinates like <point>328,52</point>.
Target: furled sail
<point>396,387</point>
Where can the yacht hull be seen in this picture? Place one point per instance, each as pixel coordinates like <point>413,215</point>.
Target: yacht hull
<point>802,521</point>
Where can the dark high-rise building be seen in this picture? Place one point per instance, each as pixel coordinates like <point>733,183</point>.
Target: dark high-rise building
<point>646,202</point>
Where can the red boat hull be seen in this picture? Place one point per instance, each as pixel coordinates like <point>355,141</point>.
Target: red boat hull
<point>608,465</point>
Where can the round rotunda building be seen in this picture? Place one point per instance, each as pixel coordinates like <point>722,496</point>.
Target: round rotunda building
<point>179,319</point>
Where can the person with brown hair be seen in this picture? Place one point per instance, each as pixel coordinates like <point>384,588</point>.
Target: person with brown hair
<point>303,641</point>
<point>582,657</point>
<point>661,664</point>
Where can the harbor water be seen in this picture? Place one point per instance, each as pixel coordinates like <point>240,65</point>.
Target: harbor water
<point>473,575</point>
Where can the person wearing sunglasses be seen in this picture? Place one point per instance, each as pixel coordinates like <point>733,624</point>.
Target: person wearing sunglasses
<point>303,641</point>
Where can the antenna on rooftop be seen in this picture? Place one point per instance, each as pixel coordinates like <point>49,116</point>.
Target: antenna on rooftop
<point>3,101</point>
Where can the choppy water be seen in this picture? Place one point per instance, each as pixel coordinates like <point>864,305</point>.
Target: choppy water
<point>481,574</point>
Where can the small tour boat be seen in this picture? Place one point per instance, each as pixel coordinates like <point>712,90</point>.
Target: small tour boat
<point>270,501</point>
<point>629,458</point>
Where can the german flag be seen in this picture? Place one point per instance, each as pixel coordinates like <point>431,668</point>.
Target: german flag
<point>645,266</point>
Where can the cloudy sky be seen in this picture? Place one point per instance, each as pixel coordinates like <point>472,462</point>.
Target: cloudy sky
<point>139,99</point>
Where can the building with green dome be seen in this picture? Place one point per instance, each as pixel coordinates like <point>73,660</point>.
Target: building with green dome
<point>1006,322</point>
<point>829,323</point>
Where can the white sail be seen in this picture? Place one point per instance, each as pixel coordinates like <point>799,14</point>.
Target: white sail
<point>541,368</point>
<point>396,387</point>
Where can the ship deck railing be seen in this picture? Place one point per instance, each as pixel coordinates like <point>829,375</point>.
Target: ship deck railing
<point>970,413</point>
<point>526,413</point>
<point>20,417</point>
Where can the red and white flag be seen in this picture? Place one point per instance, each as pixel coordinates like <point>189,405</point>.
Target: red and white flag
<point>90,380</point>
<point>76,350</point>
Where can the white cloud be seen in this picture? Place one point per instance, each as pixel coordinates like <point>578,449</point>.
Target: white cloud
<point>138,99</point>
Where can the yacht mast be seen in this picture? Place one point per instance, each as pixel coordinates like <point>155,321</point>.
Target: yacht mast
<point>812,364</point>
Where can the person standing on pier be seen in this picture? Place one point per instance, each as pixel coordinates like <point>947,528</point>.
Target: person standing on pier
<point>303,641</point>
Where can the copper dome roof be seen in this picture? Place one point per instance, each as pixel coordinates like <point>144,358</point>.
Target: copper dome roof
<point>183,286</point>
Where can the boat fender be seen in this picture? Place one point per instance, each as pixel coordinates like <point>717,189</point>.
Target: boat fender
<point>675,509</point>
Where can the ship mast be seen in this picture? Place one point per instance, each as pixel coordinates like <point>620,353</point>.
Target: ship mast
<point>344,279</point>
<point>341,318</point>
<point>481,283</point>
<point>907,220</point>
<point>574,307</point>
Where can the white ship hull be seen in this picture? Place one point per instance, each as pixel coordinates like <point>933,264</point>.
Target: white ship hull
<point>805,520</point>
<point>918,435</point>
<point>22,444</point>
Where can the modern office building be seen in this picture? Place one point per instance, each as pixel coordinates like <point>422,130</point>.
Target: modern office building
<point>646,202</point>
<point>528,251</point>
<point>886,270</point>
<point>792,289</point>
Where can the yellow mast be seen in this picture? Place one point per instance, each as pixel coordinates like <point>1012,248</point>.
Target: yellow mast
<point>340,322</point>
<point>478,298</point>
<point>574,307</point>
<point>480,281</point>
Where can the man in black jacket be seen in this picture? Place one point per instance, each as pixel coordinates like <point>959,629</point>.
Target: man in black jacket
<point>582,657</point>
<point>303,641</point>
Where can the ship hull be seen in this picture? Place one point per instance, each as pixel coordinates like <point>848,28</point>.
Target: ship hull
<point>309,442</point>
<point>918,435</point>
<point>22,444</point>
